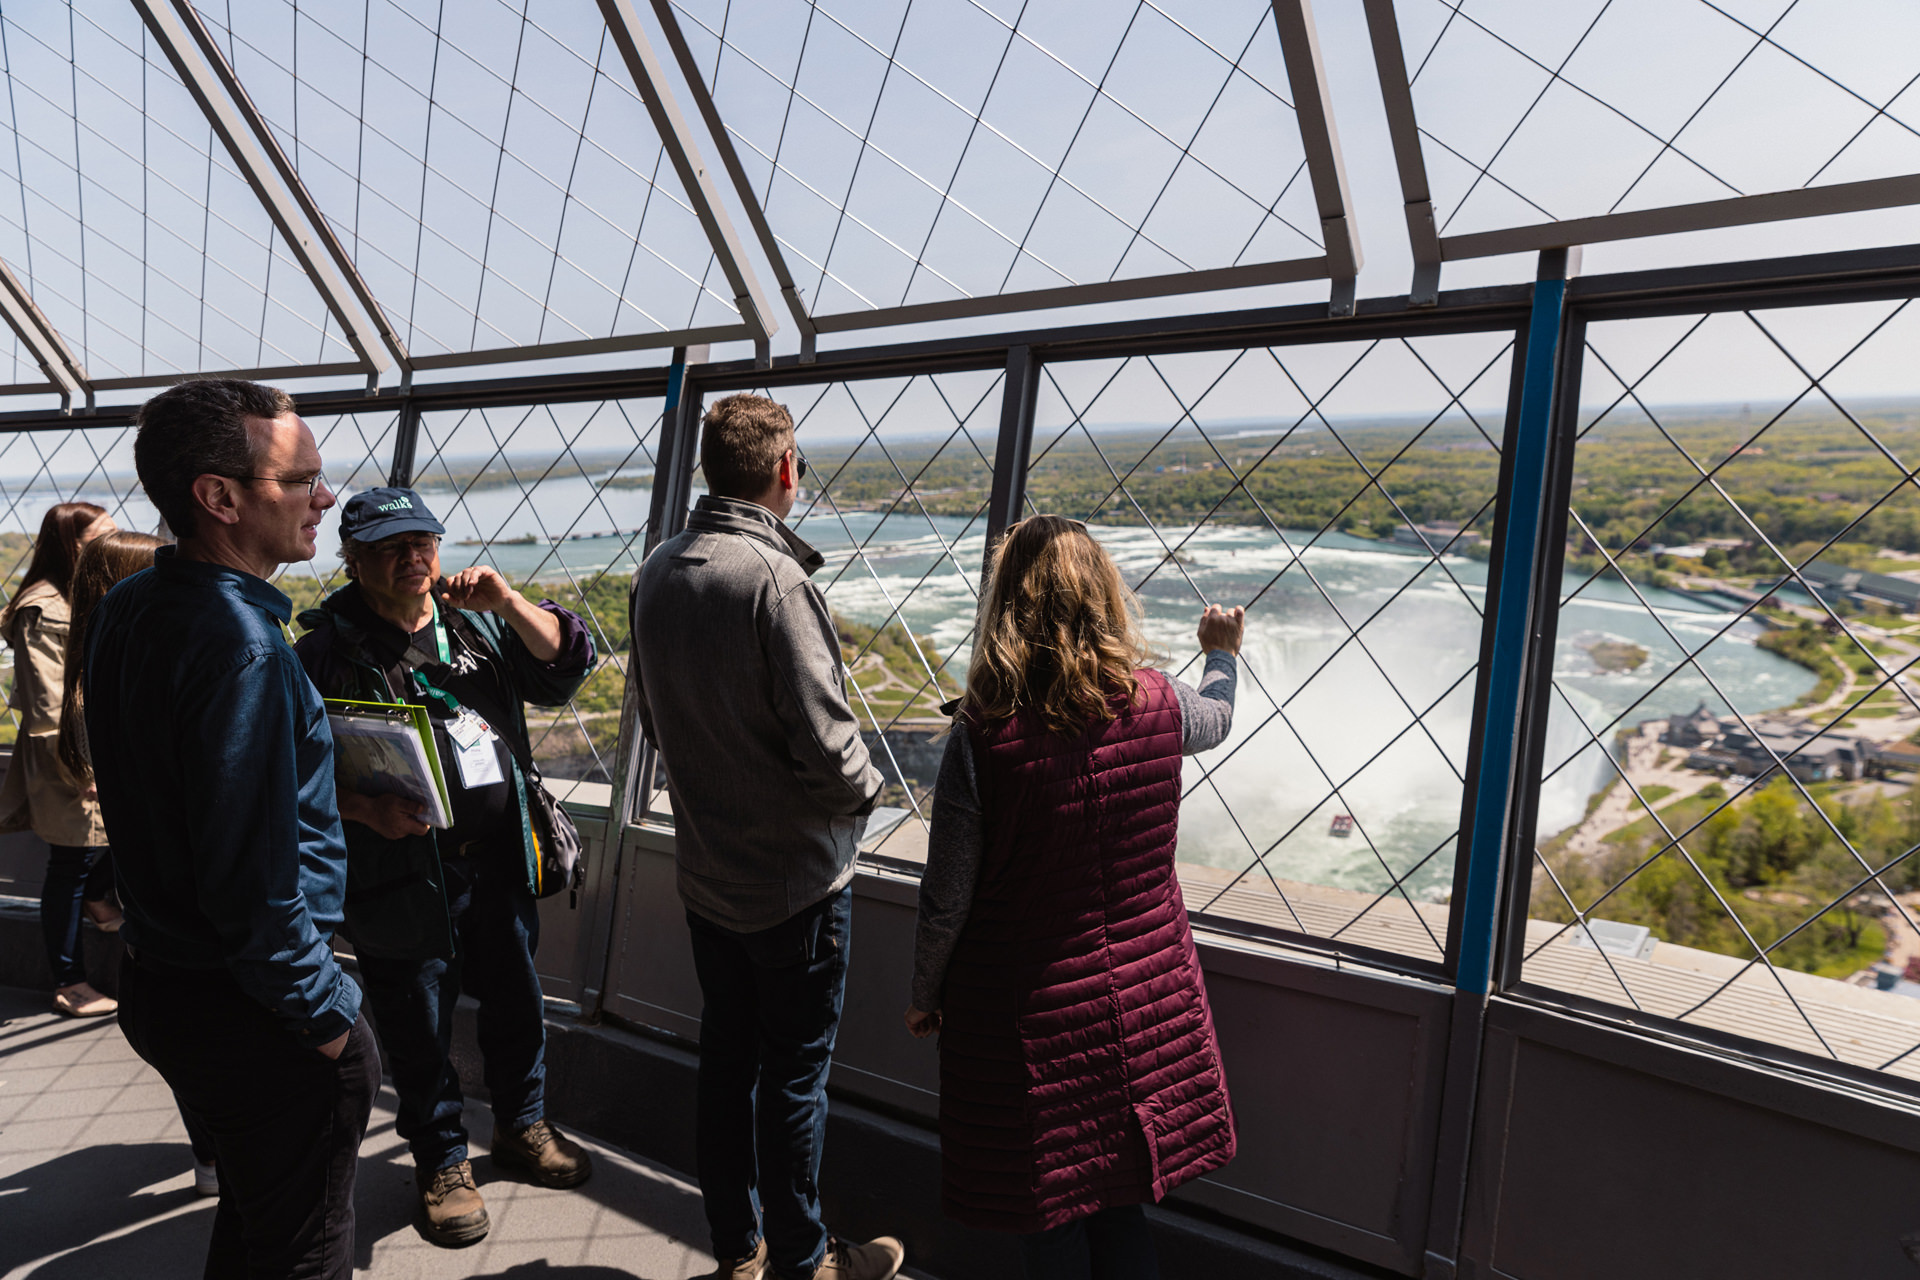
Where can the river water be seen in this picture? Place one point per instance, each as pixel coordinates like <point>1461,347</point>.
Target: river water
<point>1376,728</point>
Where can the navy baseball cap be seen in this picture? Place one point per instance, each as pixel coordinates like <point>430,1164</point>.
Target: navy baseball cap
<point>380,513</point>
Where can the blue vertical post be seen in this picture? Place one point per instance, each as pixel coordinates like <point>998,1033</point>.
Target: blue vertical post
<point>1497,784</point>
<point>673,460</point>
<point>1512,623</point>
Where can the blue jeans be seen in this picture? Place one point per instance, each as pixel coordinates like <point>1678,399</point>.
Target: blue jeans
<point>496,927</point>
<point>1113,1244</point>
<point>772,1008</point>
<point>74,875</point>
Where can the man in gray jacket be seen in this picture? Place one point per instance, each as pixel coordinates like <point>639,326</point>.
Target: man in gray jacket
<point>742,690</point>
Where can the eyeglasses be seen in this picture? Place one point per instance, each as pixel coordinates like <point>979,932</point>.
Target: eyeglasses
<point>398,546</point>
<point>316,479</point>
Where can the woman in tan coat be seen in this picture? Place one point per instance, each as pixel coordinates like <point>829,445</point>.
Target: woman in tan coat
<point>40,794</point>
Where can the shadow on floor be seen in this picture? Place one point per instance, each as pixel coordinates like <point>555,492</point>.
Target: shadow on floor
<point>92,1208</point>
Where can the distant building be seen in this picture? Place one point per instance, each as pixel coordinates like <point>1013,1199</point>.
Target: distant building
<point>1894,757</point>
<point>1807,753</point>
<point>1834,583</point>
<point>1698,727</point>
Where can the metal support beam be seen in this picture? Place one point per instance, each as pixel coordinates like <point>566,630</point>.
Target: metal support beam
<point>1018,395</point>
<point>188,45</point>
<point>406,444</point>
<point>1326,167</point>
<point>1707,215</point>
<point>323,229</point>
<point>649,77</point>
<point>1080,295</point>
<point>737,173</point>
<point>25,318</point>
<point>1396,94</point>
<point>1514,613</point>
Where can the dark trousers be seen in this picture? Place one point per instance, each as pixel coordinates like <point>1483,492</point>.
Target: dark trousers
<point>496,928</point>
<point>74,875</point>
<point>772,1008</point>
<point>1113,1244</point>
<point>285,1121</point>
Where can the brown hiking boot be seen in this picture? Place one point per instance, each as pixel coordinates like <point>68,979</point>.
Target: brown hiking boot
<point>752,1267</point>
<point>879,1259</point>
<point>454,1212</point>
<point>545,1154</point>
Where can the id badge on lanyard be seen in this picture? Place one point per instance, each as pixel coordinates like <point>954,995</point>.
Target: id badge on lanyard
<point>471,736</point>
<point>473,752</point>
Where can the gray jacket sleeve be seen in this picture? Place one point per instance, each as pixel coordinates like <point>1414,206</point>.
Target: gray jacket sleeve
<point>955,846</point>
<point>810,699</point>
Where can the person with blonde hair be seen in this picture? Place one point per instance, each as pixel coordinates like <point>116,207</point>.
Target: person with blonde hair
<point>1080,1076</point>
<point>39,794</point>
<point>103,563</point>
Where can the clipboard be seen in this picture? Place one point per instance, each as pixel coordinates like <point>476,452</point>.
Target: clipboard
<point>386,748</point>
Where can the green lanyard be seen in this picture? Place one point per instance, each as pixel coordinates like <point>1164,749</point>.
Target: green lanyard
<point>446,659</point>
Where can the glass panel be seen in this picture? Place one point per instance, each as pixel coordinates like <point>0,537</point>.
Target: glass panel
<point>1344,494</point>
<point>491,170</point>
<point>1727,830</point>
<point>1668,102</point>
<point>919,153</point>
<point>124,217</point>
<point>556,498</point>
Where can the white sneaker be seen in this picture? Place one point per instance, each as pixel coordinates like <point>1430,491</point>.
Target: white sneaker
<point>206,1180</point>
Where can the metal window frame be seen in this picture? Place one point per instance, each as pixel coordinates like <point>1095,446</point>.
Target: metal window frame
<point>1849,276</point>
<point>1431,250</point>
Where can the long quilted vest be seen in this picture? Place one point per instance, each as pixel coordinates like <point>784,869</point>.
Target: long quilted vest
<point>1078,1064</point>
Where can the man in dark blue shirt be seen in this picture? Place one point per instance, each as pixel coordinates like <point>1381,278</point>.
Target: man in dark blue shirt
<point>215,769</point>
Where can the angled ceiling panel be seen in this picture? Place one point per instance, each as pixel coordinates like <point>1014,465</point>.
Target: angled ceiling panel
<point>1531,113</point>
<point>123,216</point>
<point>916,154</point>
<point>489,167</point>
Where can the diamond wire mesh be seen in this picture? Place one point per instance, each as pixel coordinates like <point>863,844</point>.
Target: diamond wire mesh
<point>1732,696</point>
<point>131,229</point>
<point>1670,104</point>
<point>914,153</point>
<point>490,167</point>
<point>1343,493</point>
<point>895,498</point>
<point>555,497</point>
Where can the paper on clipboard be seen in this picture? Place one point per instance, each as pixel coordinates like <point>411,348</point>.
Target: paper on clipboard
<point>382,749</point>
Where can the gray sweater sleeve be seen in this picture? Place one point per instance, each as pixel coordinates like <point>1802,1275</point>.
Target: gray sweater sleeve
<point>1206,713</point>
<point>955,846</point>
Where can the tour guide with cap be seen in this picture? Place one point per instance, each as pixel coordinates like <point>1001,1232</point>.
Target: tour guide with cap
<point>433,913</point>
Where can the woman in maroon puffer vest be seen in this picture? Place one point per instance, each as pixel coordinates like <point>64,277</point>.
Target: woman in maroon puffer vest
<point>1079,1073</point>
